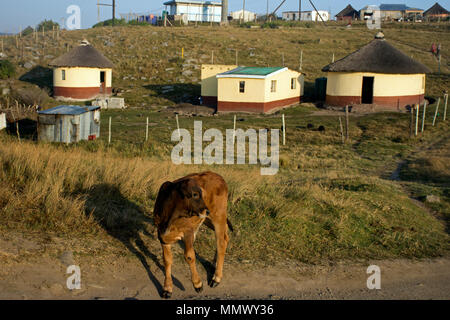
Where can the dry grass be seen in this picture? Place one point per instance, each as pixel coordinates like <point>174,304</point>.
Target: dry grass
<point>303,217</point>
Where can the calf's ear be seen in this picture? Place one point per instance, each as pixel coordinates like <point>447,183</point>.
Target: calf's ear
<point>183,189</point>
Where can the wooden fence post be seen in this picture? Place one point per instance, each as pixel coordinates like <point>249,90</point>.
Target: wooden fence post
<point>424,113</point>
<point>445,105</point>
<point>436,112</point>
<point>417,119</point>
<point>301,60</point>
<point>234,128</point>
<point>284,131</point>
<point>411,125</point>
<point>178,126</point>
<point>146,131</point>
<point>342,130</point>
<point>346,123</point>
<point>109,133</point>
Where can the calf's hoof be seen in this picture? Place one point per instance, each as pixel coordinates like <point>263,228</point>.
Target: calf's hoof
<point>198,290</point>
<point>214,283</point>
<point>167,295</point>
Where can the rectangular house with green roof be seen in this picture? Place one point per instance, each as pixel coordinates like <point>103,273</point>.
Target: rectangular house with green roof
<point>257,89</point>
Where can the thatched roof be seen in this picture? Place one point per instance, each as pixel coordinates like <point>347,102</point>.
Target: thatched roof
<point>378,56</point>
<point>84,55</point>
<point>435,10</point>
<point>348,11</point>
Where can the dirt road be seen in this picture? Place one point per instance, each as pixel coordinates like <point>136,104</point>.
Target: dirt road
<point>44,277</point>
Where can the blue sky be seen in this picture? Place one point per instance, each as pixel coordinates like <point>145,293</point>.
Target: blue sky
<point>22,13</point>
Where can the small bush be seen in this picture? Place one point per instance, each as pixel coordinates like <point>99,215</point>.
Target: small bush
<point>47,25</point>
<point>28,30</point>
<point>106,23</point>
<point>7,69</point>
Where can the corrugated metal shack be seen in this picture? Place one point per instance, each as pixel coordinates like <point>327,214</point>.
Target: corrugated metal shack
<point>69,124</point>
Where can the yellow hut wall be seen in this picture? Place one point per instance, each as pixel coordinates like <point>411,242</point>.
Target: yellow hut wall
<point>209,80</point>
<point>283,87</point>
<point>259,90</point>
<point>81,77</point>
<point>385,85</point>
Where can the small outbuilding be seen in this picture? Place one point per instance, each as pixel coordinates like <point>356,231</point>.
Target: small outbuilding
<point>195,10</point>
<point>436,12</point>
<point>378,74</point>
<point>348,13</point>
<point>82,74</point>
<point>258,89</point>
<point>69,124</point>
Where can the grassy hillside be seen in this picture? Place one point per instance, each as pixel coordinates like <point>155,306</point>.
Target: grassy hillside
<point>148,58</point>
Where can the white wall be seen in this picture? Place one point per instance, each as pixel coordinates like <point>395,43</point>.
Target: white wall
<point>248,16</point>
<point>197,12</point>
<point>307,15</point>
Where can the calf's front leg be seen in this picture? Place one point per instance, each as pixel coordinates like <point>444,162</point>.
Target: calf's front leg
<point>189,256</point>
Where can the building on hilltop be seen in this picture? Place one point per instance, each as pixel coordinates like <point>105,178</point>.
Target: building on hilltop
<point>348,13</point>
<point>246,17</point>
<point>306,15</point>
<point>436,12</point>
<point>200,11</point>
<point>389,12</point>
<point>82,74</point>
<point>377,74</point>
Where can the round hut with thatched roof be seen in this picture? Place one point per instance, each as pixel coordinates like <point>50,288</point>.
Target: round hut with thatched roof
<point>82,74</point>
<point>378,75</point>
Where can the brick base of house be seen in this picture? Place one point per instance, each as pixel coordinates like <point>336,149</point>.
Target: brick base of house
<point>398,103</point>
<point>256,107</point>
<point>81,94</point>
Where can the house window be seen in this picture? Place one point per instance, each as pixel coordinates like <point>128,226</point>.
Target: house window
<point>273,86</point>
<point>63,74</point>
<point>293,83</point>
<point>241,86</point>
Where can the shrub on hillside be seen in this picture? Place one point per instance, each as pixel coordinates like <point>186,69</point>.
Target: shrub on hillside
<point>28,30</point>
<point>47,25</point>
<point>7,69</point>
<point>106,23</point>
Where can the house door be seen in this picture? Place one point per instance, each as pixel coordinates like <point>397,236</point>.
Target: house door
<point>367,90</point>
<point>102,82</point>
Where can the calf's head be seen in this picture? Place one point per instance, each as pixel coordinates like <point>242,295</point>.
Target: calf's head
<point>192,198</point>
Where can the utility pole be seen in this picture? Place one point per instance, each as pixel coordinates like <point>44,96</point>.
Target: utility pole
<point>267,12</point>
<point>114,12</point>
<point>243,11</point>
<point>299,10</point>
<point>224,12</point>
<point>113,5</point>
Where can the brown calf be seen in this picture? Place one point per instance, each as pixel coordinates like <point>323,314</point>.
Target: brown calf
<point>180,209</point>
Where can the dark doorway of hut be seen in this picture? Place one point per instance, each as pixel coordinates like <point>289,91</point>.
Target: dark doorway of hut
<point>367,90</point>
<point>102,81</point>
